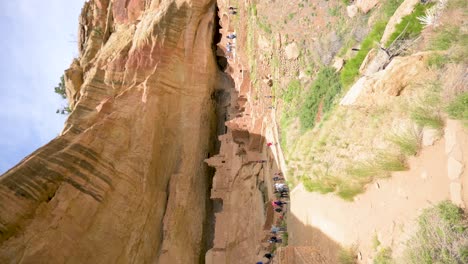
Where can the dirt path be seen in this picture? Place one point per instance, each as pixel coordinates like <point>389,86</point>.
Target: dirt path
<point>387,209</point>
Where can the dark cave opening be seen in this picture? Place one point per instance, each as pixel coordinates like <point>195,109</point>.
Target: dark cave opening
<point>219,53</point>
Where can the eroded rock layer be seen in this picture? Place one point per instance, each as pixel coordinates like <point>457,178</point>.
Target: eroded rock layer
<point>125,182</point>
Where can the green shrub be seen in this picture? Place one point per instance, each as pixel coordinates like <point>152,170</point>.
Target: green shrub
<point>442,236</point>
<point>264,26</point>
<point>437,60</point>
<point>293,90</point>
<point>321,95</point>
<point>458,108</point>
<point>384,256</point>
<point>60,88</point>
<point>409,27</point>
<point>390,6</point>
<point>285,237</point>
<point>375,242</point>
<point>444,39</point>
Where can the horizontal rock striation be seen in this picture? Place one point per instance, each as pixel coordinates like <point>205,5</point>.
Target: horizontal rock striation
<point>125,182</point>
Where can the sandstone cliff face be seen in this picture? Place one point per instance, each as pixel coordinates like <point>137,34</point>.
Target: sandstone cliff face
<point>125,182</point>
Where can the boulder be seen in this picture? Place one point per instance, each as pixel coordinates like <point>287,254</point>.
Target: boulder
<point>400,72</point>
<point>292,51</point>
<point>456,194</point>
<point>354,92</point>
<point>366,5</point>
<point>338,64</point>
<point>263,43</point>
<point>450,135</point>
<point>429,136</point>
<point>375,61</point>
<point>351,10</point>
<point>454,168</point>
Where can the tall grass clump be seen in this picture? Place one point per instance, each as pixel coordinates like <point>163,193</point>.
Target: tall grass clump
<point>426,117</point>
<point>442,236</point>
<point>391,162</point>
<point>321,95</point>
<point>365,171</point>
<point>458,108</point>
<point>409,142</point>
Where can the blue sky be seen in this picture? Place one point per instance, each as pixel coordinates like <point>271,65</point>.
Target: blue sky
<point>38,43</point>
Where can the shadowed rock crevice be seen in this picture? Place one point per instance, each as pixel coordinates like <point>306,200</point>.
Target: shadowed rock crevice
<point>220,98</point>
<point>220,56</point>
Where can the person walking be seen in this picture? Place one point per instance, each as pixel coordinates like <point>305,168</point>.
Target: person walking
<point>276,178</point>
<point>231,36</point>
<point>279,203</point>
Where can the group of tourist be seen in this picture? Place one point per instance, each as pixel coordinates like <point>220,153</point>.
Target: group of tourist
<point>281,191</point>
<point>231,36</point>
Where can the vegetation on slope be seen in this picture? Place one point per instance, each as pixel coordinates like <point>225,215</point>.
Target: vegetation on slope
<point>351,69</point>
<point>320,97</point>
<point>442,236</point>
<point>410,27</point>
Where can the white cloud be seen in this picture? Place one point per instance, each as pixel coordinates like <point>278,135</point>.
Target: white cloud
<point>38,44</point>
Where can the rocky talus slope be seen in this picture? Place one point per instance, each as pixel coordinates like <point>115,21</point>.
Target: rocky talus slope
<point>125,182</point>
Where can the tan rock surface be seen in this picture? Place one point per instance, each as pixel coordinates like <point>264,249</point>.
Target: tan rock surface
<point>352,11</point>
<point>366,5</point>
<point>122,183</point>
<point>292,51</point>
